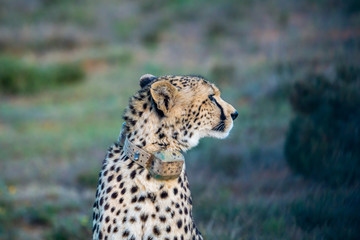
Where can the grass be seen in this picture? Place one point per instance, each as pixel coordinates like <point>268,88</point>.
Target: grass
<point>331,213</point>
<point>53,141</point>
<point>19,77</point>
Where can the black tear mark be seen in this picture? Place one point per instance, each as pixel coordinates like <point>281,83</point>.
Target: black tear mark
<point>222,115</point>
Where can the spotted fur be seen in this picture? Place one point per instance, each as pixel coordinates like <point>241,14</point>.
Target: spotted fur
<point>167,113</point>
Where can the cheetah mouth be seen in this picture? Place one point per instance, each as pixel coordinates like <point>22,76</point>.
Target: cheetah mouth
<point>220,127</point>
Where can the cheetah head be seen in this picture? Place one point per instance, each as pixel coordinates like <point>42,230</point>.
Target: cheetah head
<point>175,112</point>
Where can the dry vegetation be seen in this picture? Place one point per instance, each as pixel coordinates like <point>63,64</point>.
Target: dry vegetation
<point>53,135</point>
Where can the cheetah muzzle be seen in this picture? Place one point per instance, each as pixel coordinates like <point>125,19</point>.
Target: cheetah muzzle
<point>169,114</point>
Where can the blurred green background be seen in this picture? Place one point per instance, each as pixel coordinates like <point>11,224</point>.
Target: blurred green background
<point>290,168</point>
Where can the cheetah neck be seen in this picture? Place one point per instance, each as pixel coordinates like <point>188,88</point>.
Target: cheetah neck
<point>162,165</point>
<point>167,134</point>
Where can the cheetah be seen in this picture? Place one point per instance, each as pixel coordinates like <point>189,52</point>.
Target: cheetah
<point>143,191</point>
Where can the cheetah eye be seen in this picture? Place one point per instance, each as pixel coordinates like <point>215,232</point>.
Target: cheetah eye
<point>211,97</point>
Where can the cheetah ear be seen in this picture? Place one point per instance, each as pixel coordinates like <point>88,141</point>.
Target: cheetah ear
<point>163,94</point>
<point>146,79</point>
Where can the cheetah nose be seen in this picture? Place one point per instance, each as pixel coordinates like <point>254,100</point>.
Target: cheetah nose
<point>234,115</point>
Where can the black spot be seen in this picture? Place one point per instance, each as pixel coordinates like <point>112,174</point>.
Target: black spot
<point>168,229</point>
<point>175,191</point>
<point>106,207</point>
<point>114,195</point>
<point>179,223</point>
<point>156,231</point>
<point>152,197</point>
<point>134,199</point>
<point>144,217</point>
<point>132,122</point>
<point>162,218</point>
<point>144,106</point>
<point>133,174</point>
<point>118,178</point>
<point>130,165</point>
<point>161,135</point>
<point>134,189</point>
<point>148,176</point>
<point>126,233</point>
<point>108,189</point>
<point>164,194</point>
<point>123,191</point>
<point>141,199</point>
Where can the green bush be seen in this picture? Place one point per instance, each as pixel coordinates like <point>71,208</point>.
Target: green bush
<point>7,213</point>
<point>89,178</point>
<point>19,77</point>
<point>324,137</point>
<point>75,228</point>
<point>331,214</point>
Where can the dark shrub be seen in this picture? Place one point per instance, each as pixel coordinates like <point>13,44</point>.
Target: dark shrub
<point>19,77</point>
<point>323,140</point>
<point>331,214</point>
